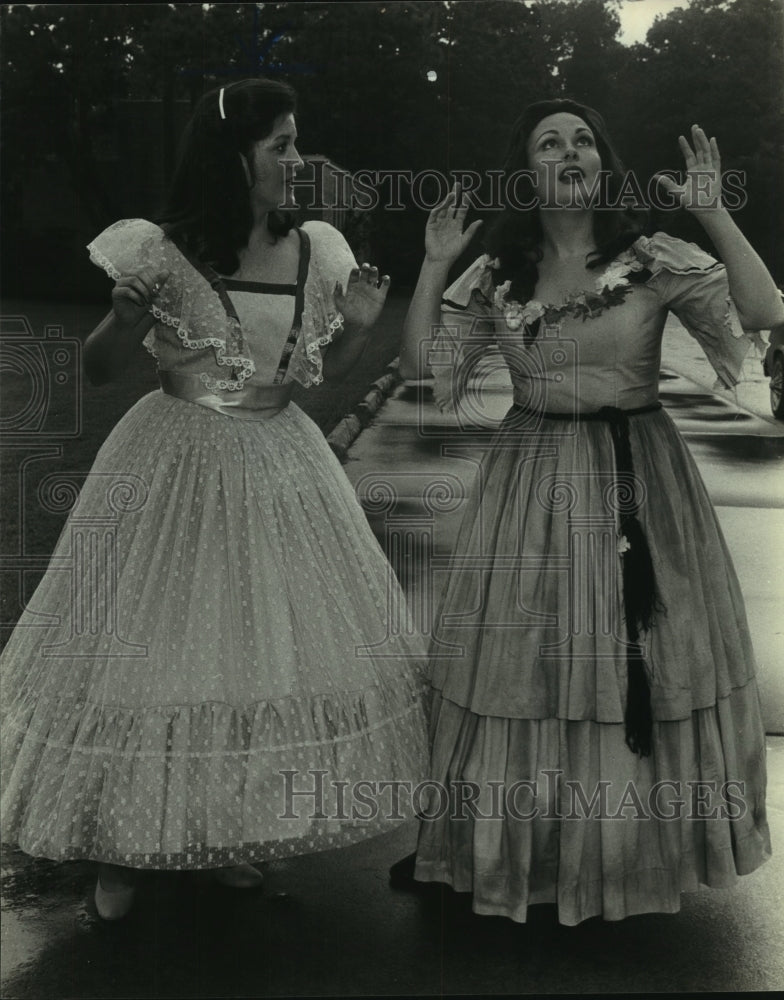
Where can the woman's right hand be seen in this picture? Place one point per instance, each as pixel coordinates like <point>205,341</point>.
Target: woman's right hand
<point>133,294</point>
<point>444,236</point>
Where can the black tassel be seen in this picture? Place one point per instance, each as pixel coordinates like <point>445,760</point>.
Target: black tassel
<point>639,583</point>
<point>639,595</point>
<point>639,716</point>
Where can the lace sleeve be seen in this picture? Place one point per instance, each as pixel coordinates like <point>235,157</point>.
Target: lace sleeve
<point>694,286</point>
<point>331,252</point>
<point>187,306</point>
<point>331,261</point>
<point>128,247</point>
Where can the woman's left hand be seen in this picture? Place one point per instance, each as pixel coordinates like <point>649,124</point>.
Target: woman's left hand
<point>701,189</point>
<point>363,299</point>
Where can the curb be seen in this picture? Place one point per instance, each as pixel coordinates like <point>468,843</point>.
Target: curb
<point>348,429</point>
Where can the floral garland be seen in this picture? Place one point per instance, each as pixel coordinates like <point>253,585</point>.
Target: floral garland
<point>612,287</point>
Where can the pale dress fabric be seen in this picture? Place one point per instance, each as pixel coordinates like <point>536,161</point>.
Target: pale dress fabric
<point>528,665</point>
<point>252,634</point>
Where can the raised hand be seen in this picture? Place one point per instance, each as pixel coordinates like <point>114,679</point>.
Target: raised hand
<point>444,236</point>
<point>701,189</point>
<point>364,297</point>
<point>133,294</point>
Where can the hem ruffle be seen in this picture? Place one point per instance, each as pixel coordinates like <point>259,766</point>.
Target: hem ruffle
<point>632,853</point>
<point>205,786</point>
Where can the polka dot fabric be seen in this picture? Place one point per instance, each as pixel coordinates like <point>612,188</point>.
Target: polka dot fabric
<point>226,624</point>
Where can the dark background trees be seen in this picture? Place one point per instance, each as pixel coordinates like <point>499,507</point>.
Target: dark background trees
<point>94,97</point>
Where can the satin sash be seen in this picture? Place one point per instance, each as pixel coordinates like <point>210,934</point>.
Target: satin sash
<point>253,402</point>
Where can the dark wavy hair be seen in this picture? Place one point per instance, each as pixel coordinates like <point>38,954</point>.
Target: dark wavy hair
<point>515,238</point>
<point>208,209</point>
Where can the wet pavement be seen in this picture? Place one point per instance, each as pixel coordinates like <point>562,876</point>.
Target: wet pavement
<point>328,924</point>
<point>342,932</point>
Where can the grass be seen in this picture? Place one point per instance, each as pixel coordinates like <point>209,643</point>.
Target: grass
<point>30,530</point>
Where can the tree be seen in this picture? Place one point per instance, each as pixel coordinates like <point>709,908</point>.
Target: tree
<point>394,85</point>
<point>57,96</point>
<point>721,65</point>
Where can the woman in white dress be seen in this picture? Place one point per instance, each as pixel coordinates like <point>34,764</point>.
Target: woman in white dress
<point>253,657</point>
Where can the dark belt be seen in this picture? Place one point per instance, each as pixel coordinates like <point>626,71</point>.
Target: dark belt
<point>640,599</point>
<point>607,413</point>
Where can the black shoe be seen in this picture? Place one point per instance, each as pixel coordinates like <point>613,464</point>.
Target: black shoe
<point>401,874</point>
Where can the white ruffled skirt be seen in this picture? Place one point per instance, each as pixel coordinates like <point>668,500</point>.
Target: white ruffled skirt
<point>213,636</point>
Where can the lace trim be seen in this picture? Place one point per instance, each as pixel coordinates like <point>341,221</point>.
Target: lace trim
<point>319,325</point>
<point>97,257</point>
<point>313,348</point>
<point>245,365</point>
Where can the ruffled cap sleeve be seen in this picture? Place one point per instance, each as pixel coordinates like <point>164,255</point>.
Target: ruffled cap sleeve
<point>466,314</point>
<point>129,246</point>
<point>133,245</point>
<point>331,252</point>
<point>474,289</point>
<point>187,304</point>
<point>694,286</point>
<point>331,261</point>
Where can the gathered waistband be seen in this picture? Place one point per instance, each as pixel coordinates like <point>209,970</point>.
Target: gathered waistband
<point>252,402</point>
